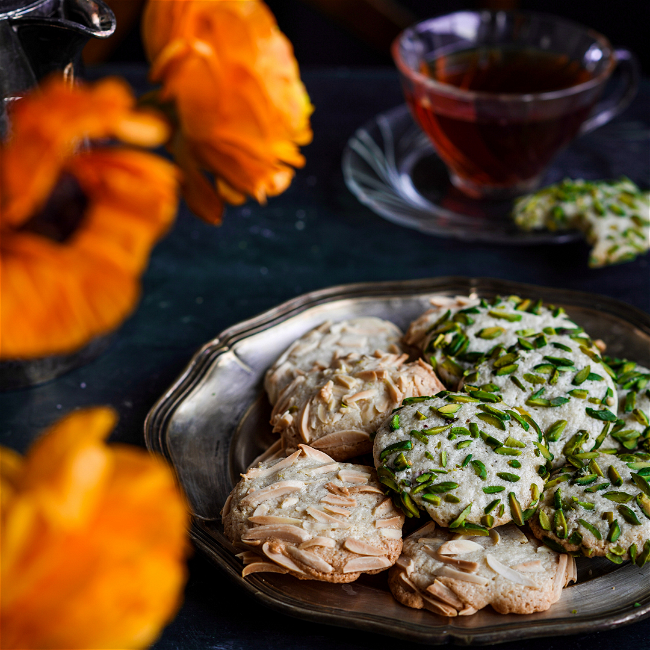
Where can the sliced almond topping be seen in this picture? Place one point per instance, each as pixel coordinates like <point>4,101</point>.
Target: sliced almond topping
<point>345,380</point>
<point>261,510</point>
<point>226,506</point>
<point>507,572</point>
<point>319,541</point>
<point>494,536</point>
<point>323,517</point>
<point>363,548</point>
<point>459,547</point>
<point>572,572</point>
<point>437,607</point>
<point>271,519</point>
<point>366,564</point>
<point>338,438</point>
<point>464,565</point>
<point>445,594</point>
<point>393,391</point>
<point>352,476</point>
<point>284,397</point>
<point>448,572</point>
<point>339,501</point>
<point>337,489</point>
<point>521,538</point>
<point>367,375</point>
<point>468,611</point>
<point>391,522</point>
<point>262,567</point>
<point>326,391</point>
<point>337,510</point>
<point>318,526</point>
<point>271,491</point>
<point>287,503</point>
<point>273,552</point>
<point>304,428</point>
<point>383,404</point>
<point>285,532</point>
<point>391,533</point>
<point>384,508</point>
<point>429,540</point>
<point>324,469</point>
<point>529,567</point>
<point>364,394</point>
<point>427,528</point>
<point>365,488</point>
<point>248,556</point>
<point>258,472</point>
<point>310,452</point>
<point>310,559</point>
<point>406,563</point>
<point>560,580</point>
<point>407,582</point>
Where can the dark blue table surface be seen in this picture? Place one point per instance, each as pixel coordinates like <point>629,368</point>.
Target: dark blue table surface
<point>202,279</point>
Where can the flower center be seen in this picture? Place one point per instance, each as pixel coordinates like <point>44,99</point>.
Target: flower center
<point>63,213</point>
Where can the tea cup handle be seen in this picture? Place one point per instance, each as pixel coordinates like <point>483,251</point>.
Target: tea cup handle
<point>628,68</point>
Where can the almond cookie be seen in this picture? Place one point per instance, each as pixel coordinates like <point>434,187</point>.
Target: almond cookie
<point>314,518</point>
<point>316,348</point>
<point>560,382</point>
<point>454,576</point>
<point>336,409</point>
<point>457,334</point>
<point>470,464</point>
<point>603,508</point>
<point>632,429</point>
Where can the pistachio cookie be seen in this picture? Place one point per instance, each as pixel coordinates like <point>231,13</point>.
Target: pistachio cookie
<point>470,464</point>
<point>451,576</point>
<point>455,336</point>
<point>560,381</point>
<point>632,429</point>
<point>336,409</point>
<point>314,518</point>
<point>316,349</point>
<point>603,508</point>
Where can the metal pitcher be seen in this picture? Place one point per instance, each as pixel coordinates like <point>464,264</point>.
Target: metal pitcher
<point>38,37</point>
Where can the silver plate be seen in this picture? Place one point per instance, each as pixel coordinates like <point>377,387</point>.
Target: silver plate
<point>213,422</point>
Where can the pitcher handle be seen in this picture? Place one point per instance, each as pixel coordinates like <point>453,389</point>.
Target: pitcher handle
<point>628,68</point>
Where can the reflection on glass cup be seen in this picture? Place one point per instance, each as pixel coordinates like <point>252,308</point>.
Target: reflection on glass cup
<point>500,93</point>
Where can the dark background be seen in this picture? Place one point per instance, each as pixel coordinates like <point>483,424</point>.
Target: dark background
<point>359,32</point>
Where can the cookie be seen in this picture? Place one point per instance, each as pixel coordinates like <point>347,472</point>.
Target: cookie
<point>632,429</point>
<point>313,518</point>
<point>601,509</point>
<point>451,576</point>
<point>560,382</point>
<point>470,464</point>
<point>336,409</point>
<point>457,334</point>
<point>316,348</point>
<point>613,215</point>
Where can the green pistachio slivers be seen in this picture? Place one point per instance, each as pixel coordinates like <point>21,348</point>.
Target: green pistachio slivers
<point>644,504</point>
<point>642,483</point>
<point>581,376</point>
<point>544,520</point>
<point>560,524</point>
<point>614,532</point>
<point>487,521</point>
<point>507,451</point>
<point>491,506</point>
<point>479,469</point>
<point>513,442</point>
<point>461,517</point>
<point>515,509</point>
<point>394,422</point>
<point>559,362</point>
<point>493,489</point>
<point>629,515</point>
<point>587,480</point>
<point>491,419</point>
<point>512,318</point>
<point>618,497</point>
<point>515,416</point>
<point>605,415</point>
<point>556,481</point>
<point>592,529</point>
<point>506,370</point>
<point>419,435</point>
<point>553,545</point>
<point>490,332</point>
<point>435,430</point>
<point>614,476</point>
<point>441,488</point>
<point>506,476</point>
<point>433,499</point>
<point>402,445</point>
<point>554,432</point>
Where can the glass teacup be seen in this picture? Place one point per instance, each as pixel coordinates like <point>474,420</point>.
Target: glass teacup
<point>500,93</point>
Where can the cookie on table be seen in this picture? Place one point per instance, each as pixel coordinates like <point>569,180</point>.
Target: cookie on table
<point>560,382</point>
<point>457,334</point>
<point>602,509</point>
<point>469,463</point>
<point>336,409</point>
<point>316,348</point>
<point>313,518</point>
<point>632,429</point>
<point>456,577</point>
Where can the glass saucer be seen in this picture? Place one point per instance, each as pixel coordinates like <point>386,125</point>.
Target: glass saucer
<point>390,165</point>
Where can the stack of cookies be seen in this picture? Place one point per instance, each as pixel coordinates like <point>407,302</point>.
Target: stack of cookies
<point>514,442</point>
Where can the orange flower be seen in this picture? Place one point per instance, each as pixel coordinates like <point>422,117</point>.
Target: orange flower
<point>241,108</point>
<point>93,540</point>
<point>70,270</point>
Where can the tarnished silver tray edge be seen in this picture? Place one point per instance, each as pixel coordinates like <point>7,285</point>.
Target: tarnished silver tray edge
<point>219,553</point>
